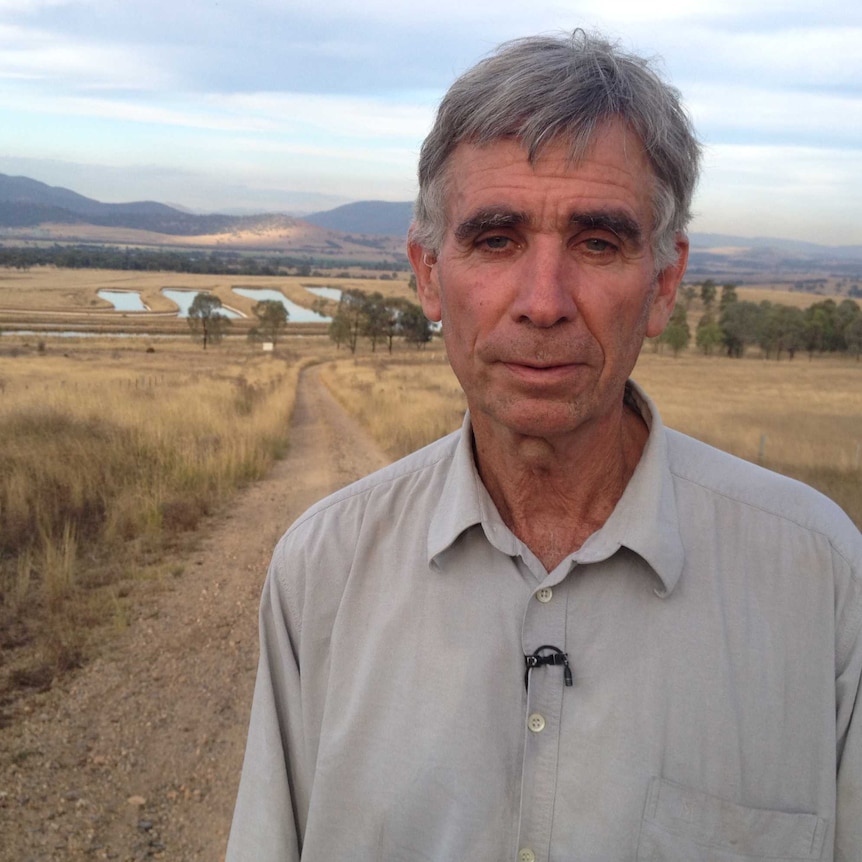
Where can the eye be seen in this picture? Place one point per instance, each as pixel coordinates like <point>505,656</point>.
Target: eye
<point>495,243</point>
<point>599,246</point>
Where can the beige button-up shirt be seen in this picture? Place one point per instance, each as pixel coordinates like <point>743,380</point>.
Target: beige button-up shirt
<point>712,631</point>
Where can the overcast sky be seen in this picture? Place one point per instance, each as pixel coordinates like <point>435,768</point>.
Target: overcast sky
<point>305,104</point>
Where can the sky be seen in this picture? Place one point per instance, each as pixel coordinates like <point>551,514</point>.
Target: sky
<point>302,105</point>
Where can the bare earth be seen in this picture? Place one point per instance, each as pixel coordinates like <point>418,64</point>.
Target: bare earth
<point>138,755</point>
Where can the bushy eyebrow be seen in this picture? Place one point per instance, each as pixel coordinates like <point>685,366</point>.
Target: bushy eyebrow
<point>488,219</point>
<point>615,221</point>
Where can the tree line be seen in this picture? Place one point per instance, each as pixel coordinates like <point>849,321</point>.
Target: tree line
<point>731,325</point>
<point>359,315</point>
<point>379,319</point>
<point>166,260</point>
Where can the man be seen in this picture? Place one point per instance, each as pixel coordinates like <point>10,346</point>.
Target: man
<point>564,632</point>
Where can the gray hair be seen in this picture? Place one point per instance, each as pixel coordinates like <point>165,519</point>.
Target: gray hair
<point>543,89</point>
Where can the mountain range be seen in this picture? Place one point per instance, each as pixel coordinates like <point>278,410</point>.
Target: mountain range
<point>27,205</point>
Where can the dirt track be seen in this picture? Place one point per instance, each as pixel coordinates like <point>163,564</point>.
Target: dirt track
<point>137,756</point>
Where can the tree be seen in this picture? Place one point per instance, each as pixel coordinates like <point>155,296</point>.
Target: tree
<point>677,333</point>
<point>853,336</point>
<point>321,306</point>
<point>728,295</point>
<point>339,330</point>
<point>819,332</point>
<point>708,335</point>
<point>349,319</point>
<point>413,324</point>
<point>846,314</point>
<point>687,294</point>
<point>707,293</point>
<point>272,317</point>
<point>740,324</point>
<point>376,319</point>
<point>781,329</point>
<point>206,320</point>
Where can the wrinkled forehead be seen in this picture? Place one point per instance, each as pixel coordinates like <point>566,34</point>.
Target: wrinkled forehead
<point>585,145</point>
<point>612,163</point>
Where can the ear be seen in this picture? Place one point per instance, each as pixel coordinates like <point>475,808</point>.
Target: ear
<point>424,263</point>
<point>667,283</point>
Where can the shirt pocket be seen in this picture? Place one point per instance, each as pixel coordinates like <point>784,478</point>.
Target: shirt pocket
<point>684,825</point>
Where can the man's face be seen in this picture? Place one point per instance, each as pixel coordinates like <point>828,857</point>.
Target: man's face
<point>545,281</point>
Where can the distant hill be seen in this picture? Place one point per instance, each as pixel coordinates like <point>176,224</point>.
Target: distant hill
<point>29,203</point>
<point>368,217</point>
<point>377,227</point>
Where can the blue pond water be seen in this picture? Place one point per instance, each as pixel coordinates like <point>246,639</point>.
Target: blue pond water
<point>297,314</point>
<point>185,298</point>
<point>123,300</point>
<point>332,293</point>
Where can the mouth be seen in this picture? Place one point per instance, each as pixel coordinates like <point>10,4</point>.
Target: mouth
<point>543,372</point>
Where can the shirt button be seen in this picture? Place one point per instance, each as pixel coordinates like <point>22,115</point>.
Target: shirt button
<point>526,855</point>
<point>545,595</point>
<point>536,723</point>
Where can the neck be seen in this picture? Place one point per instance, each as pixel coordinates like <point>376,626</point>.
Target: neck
<point>554,493</point>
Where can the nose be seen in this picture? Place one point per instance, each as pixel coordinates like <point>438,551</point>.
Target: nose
<point>545,292</point>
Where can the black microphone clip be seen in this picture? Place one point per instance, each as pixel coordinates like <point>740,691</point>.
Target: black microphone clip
<point>555,657</point>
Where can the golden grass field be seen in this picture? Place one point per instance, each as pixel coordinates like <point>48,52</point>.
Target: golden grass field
<point>111,453</point>
<point>799,417</point>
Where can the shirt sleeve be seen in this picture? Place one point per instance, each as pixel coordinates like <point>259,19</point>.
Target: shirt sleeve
<point>848,822</point>
<point>266,821</point>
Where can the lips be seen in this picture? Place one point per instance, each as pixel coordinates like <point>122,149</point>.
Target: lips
<point>536,375</point>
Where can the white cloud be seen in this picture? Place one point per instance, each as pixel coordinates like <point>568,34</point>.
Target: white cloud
<point>38,55</point>
<point>291,115</point>
<point>24,7</point>
<point>340,116</point>
<point>758,112</point>
<point>813,57</point>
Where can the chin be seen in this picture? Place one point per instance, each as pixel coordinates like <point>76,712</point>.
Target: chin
<point>539,419</point>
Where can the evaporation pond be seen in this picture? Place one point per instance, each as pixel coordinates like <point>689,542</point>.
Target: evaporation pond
<point>297,314</point>
<point>123,300</point>
<point>332,293</point>
<point>185,298</point>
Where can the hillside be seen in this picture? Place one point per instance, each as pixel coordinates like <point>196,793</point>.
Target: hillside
<point>367,217</point>
<point>29,203</point>
<point>31,211</point>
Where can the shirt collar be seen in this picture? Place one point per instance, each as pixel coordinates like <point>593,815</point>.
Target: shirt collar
<point>459,506</point>
<point>644,520</point>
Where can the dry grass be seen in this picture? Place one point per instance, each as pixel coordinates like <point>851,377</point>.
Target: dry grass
<point>111,452</point>
<point>405,401</point>
<point>780,294</point>
<point>802,418</point>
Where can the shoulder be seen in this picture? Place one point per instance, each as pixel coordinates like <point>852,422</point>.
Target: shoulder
<point>426,465</point>
<point>355,528</point>
<point>375,502</point>
<point>759,495</point>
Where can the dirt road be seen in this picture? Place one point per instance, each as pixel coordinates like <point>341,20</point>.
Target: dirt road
<point>137,756</point>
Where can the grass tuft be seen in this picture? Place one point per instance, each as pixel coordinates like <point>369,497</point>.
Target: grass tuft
<point>109,453</point>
